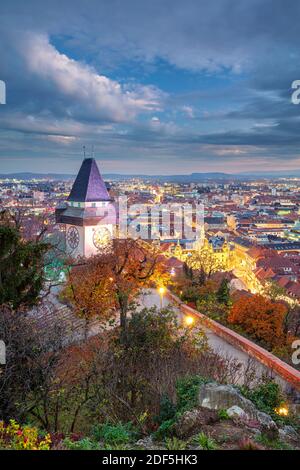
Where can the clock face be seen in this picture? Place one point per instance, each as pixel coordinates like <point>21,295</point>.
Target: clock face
<point>73,237</point>
<point>102,238</point>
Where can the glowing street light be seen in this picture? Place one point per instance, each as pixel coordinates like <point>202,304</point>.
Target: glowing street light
<point>282,410</point>
<point>161,291</point>
<point>189,320</point>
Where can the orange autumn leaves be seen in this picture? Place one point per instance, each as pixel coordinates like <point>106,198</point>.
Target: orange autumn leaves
<point>89,288</point>
<point>260,318</point>
<point>106,283</point>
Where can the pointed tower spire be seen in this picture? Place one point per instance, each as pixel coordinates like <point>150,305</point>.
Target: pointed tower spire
<point>89,185</point>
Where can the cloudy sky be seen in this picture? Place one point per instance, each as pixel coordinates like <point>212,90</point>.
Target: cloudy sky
<point>158,87</point>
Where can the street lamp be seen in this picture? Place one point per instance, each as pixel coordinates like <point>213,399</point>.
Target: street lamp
<point>282,410</point>
<point>161,291</point>
<point>189,320</point>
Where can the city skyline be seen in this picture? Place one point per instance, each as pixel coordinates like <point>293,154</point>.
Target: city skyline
<point>159,89</point>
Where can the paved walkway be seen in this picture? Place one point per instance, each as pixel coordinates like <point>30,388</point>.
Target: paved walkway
<point>219,345</point>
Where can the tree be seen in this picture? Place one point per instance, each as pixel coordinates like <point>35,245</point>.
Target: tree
<point>159,351</point>
<point>43,380</point>
<point>187,271</point>
<point>89,288</point>
<point>205,263</point>
<point>223,293</point>
<point>66,389</point>
<point>109,282</point>
<point>31,357</point>
<point>261,318</point>
<point>21,268</point>
<point>128,386</point>
<point>273,291</point>
<point>31,227</point>
<point>103,379</point>
<point>292,321</point>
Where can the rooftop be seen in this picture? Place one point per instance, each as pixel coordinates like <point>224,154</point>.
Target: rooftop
<point>89,185</point>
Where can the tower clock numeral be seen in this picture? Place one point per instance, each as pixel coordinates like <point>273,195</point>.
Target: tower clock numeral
<point>73,237</point>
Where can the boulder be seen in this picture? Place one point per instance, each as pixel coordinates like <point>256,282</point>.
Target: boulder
<point>236,412</point>
<point>290,435</point>
<point>192,421</point>
<point>267,425</point>
<point>221,397</point>
<point>217,397</point>
<point>148,444</point>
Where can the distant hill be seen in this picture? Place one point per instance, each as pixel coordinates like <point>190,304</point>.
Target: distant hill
<point>193,177</point>
<point>30,176</point>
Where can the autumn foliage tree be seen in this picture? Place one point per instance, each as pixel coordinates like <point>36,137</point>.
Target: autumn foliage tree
<point>204,264</point>
<point>108,282</point>
<point>261,318</point>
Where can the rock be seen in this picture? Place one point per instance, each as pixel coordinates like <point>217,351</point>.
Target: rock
<point>236,412</point>
<point>295,408</point>
<point>221,397</point>
<point>239,415</point>
<point>192,421</point>
<point>268,426</point>
<point>289,434</point>
<point>217,397</point>
<point>146,443</point>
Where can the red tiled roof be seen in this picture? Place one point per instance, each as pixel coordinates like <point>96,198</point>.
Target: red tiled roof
<point>277,263</point>
<point>264,274</point>
<point>294,289</point>
<point>283,281</point>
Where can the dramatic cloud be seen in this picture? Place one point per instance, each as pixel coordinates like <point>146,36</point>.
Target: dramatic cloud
<point>86,91</point>
<point>170,85</point>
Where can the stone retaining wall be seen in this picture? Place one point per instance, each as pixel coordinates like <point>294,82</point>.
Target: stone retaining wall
<point>288,373</point>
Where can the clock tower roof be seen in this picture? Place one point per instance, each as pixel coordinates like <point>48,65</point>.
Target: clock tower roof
<point>89,185</point>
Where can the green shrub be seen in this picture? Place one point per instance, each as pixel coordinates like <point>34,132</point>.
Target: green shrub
<point>167,410</point>
<point>175,444</point>
<point>83,444</point>
<point>187,389</point>
<point>190,294</point>
<point>223,293</point>
<point>266,397</point>
<point>116,447</point>
<point>114,434</point>
<point>223,414</point>
<point>272,444</point>
<point>206,442</point>
<point>166,429</point>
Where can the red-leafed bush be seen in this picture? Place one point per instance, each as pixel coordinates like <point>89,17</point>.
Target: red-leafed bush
<point>261,318</point>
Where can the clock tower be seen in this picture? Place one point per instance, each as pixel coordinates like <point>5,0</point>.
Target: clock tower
<point>88,214</point>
